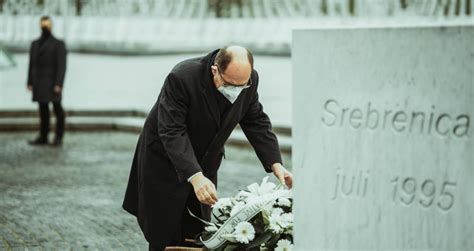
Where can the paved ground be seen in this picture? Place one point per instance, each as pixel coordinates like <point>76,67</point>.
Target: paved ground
<point>134,82</point>
<point>69,198</point>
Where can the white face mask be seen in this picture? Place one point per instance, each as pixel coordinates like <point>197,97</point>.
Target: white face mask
<point>230,92</point>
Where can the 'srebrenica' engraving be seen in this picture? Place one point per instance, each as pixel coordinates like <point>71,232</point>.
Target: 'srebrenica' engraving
<point>399,121</point>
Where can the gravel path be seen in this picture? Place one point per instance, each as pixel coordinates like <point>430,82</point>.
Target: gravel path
<point>70,198</point>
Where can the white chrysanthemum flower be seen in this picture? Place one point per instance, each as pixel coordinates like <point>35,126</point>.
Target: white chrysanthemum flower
<point>287,193</point>
<point>287,220</point>
<point>277,211</point>
<point>274,223</point>
<point>284,245</point>
<point>283,202</point>
<point>237,207</point>
<point>244,232</point>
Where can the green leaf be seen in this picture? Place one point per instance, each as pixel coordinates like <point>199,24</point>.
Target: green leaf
<point>259,240</point>
<point>265,216</point>
<point>221,247</point>
<point>197,239</point>
<point>287,236</point>
<point>274,240</point>
<point>258,223</point>
<point>206,235</point>
<point>231,247</point>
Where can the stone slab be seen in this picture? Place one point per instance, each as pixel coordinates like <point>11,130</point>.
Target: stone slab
<point>383,149</point>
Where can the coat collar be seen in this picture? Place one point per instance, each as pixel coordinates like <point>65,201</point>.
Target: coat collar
<point>208,60</point>
<point>45,44</point>
<point>207,84</point>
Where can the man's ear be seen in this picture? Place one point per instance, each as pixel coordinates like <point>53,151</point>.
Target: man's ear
<point>214,69</point>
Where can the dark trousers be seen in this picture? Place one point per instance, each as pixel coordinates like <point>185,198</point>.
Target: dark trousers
<point>189,226</point>
<point>44,119</point>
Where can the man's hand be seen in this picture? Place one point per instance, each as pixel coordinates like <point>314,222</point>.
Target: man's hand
<point>57,89</point>
<point>30,87</point>
<point>283,175</point>
<point>204,189</point>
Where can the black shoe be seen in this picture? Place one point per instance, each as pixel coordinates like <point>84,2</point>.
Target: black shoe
<point>57,142</point>
<point>38,141</point>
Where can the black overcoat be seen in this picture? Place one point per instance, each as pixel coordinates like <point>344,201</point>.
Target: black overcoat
<point>47,68</point>
<point>184,134</point>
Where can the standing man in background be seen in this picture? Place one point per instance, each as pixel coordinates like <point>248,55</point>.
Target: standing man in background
<point>46,78</point>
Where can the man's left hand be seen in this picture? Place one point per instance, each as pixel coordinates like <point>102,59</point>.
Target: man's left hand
<point>283,175</point>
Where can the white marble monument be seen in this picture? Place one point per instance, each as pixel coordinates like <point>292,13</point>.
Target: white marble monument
<point>383,138</point>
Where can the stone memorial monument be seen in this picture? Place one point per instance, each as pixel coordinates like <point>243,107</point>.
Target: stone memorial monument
<point>383,138</point>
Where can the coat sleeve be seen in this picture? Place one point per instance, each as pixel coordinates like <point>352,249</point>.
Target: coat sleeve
<point>60,63</point>
<point>30,66</point>
<point>257,128</point>
<point>172,112</point>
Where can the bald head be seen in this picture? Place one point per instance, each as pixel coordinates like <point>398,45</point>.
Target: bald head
<point>235,63</point>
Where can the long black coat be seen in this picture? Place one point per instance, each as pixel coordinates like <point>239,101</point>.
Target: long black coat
<point>47,68</point>
<point>184,134</point>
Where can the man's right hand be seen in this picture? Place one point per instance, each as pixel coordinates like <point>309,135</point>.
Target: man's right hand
<point>30,87</point>
<point>204,189</point>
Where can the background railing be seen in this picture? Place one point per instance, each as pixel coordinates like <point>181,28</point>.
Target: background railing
<point>169,26</point>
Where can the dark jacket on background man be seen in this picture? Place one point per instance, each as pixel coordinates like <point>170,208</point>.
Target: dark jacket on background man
<point>47,68</point>
<point>184,133</point>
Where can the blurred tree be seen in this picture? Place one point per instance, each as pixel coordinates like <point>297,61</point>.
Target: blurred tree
<point>78,5</point>
<point>324,7</point>
<point>216,5</point>
<point>403,4</point>
<point>222,8</point>
<point>240,8</point>
<point>352,7</point>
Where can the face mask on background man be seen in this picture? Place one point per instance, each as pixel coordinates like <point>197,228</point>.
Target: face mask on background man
<point>45,31</point>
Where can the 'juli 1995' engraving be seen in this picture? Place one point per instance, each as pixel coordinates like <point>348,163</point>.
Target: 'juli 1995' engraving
<point>351,183</point>
<point>409,191</point>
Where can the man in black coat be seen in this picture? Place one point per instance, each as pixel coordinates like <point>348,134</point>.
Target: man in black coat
<point>182,143</point>
<point>46,78</point>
